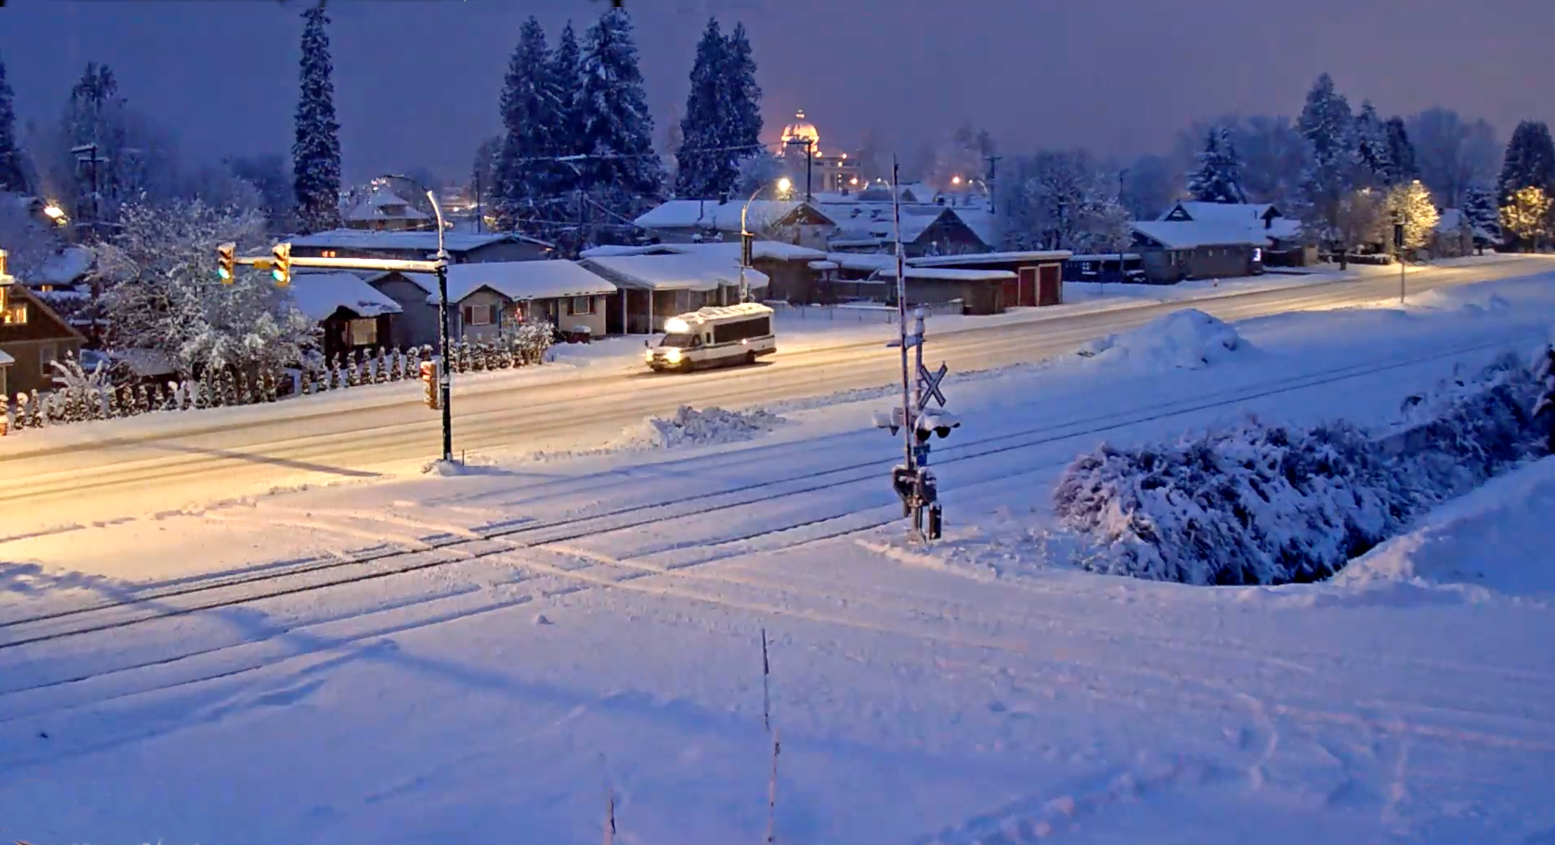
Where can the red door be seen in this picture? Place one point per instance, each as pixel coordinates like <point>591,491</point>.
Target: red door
<point>1028,286</point>
<point>1009,295</point>
<point>1052,285</point>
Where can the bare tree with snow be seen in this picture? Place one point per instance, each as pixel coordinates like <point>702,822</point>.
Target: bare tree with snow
<point>1062,200</point>
<point>162,292</point>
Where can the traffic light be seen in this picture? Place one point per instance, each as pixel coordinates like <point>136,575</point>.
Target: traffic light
<point>281,268</point>
<point>226,262</point>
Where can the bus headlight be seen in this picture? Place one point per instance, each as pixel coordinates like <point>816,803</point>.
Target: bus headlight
<point>672,355</point>
<point>648,355</point>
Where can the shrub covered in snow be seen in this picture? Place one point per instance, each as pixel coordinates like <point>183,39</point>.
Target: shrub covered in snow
<point>1270,505</point>
<point>1188,339</point>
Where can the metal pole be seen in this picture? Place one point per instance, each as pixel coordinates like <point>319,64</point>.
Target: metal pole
<point>901,312</point>
<point>809,157</point>
<point>443,386</point>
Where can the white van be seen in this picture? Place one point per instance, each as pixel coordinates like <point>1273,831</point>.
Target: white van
<point>714,337</point>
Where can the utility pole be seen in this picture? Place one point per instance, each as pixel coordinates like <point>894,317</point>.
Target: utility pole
<point>89,155</point>
<point>993,170</point>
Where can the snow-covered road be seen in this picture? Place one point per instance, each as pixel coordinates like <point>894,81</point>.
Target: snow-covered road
<point>577,623</point>
<point>158,464</point>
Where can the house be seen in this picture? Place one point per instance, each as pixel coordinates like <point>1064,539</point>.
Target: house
<point>1455,236</point>
<point>491,297</point>
<point>927,228</point>
<point>32,337</point>
<point>351,314</point>
<point>463,247</point>
<point>1029,279</point>
<point>1278,236</point>
<point>1209,247</point>
<point>694,221</point>
<point>786,266</point>
<point>653,288</point>
<point>416,295</point>
<point>1105,267</point>
<point>385,210</point>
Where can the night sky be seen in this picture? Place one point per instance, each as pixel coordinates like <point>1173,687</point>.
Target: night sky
<point>416,81</point>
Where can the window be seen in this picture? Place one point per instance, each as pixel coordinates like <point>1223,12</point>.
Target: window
<point>15,315</point>
<point>742,330</point>
<point>580,305</point>
<point>364,332</point>
<point>328,253</point>
<point>478,315</point>
<point>48,353</point>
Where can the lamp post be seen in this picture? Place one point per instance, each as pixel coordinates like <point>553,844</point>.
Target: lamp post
<point>442,333</point>
<point>746,247</point>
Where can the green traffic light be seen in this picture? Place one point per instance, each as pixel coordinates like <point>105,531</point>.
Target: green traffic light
<point>278,275</point>
<point>223,273</point>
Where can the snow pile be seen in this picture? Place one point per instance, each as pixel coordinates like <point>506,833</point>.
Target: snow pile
<point>1271,505</point>
<point>1188,339</point>
<point>1495,538</point>
<point>692,427</point>
<point>1465,299</point>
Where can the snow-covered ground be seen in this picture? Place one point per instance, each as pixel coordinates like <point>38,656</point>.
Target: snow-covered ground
<point>482,655</point>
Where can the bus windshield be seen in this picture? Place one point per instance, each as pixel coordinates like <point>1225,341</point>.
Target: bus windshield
<point>681,340</point>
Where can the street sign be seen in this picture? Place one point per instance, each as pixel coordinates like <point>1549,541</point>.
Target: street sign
<point>928,385</point>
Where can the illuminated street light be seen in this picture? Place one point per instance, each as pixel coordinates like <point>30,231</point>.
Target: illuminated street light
<point>56,214</point>
<point>955,180</point>
<point>783,186</point>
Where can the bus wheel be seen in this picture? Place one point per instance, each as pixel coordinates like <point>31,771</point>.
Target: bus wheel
<point>750,358</point>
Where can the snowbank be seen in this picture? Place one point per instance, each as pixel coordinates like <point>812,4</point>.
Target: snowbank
<point>1272,505</point>
<point>1188,339</point>
<point>1495,538</point>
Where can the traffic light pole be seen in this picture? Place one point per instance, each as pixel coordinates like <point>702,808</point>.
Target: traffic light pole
<point>438,265</point>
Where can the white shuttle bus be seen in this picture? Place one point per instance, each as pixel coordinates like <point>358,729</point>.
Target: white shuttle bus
<point>714,337</point>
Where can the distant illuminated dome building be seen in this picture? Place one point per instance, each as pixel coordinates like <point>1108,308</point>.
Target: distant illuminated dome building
<point>834,174</point>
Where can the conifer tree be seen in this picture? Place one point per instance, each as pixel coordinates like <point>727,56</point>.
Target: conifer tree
<point>529,118</point>
<point>625,172</point>
<point>1219,175</point>
<point>316,150</point>
<point>12,178</point>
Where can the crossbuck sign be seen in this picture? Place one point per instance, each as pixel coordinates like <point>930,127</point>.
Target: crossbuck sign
<point>928,385</point>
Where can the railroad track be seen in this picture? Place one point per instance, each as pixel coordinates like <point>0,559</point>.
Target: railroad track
<point>247,586</point>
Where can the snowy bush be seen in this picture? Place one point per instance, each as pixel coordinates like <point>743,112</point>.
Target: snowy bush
<point>1264,504</point>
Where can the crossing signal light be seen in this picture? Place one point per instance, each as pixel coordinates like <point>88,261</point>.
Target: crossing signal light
<point>281,267</point>
<point>226,262</point>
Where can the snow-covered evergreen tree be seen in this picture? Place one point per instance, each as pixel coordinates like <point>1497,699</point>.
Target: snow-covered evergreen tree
<point>1402,166</point>
<point>316,151</point>
<point>1327,126</point>
<point>625,173</point>
<point>94,114</point>
<point>742,130</point>
<point>1482,212</point>
<point>567,71</point>
<point>1219,174</point>
<point>162,294</point>
<point>12,177</point>
<point>698,174</point>
<point>1530,160</point>
<point>1372,152</point>
<point>530,119</point>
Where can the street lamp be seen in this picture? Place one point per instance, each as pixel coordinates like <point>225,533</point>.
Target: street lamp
<point>56,214</point>
<point>747,246</point>
<point>442,333</point>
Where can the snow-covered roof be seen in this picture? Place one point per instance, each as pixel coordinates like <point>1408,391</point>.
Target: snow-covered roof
<point>1220,212</point>
<point>319,295</point>
<point>940,274</point>
<point>1448,220</point>
<point>1047,256</point>
<point>65,266</point>
<point>823,265</point>
<point>145,362</point>
<point>1187,234</point>
<point>711,214</point>
<point>980,220</point>
<point>682,271</point>
<point>773,250</point>
<point>1105,256</point>
<point>418,241</point>
<point>522,281</point>
<point>6,360</point>
<point>386,205</point>
<point>862,261</point>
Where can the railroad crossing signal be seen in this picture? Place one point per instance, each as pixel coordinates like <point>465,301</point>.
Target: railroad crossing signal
<point>429,378</point>
<point>226,261</point>
<point>928,385</point>
<point>281,269</point>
